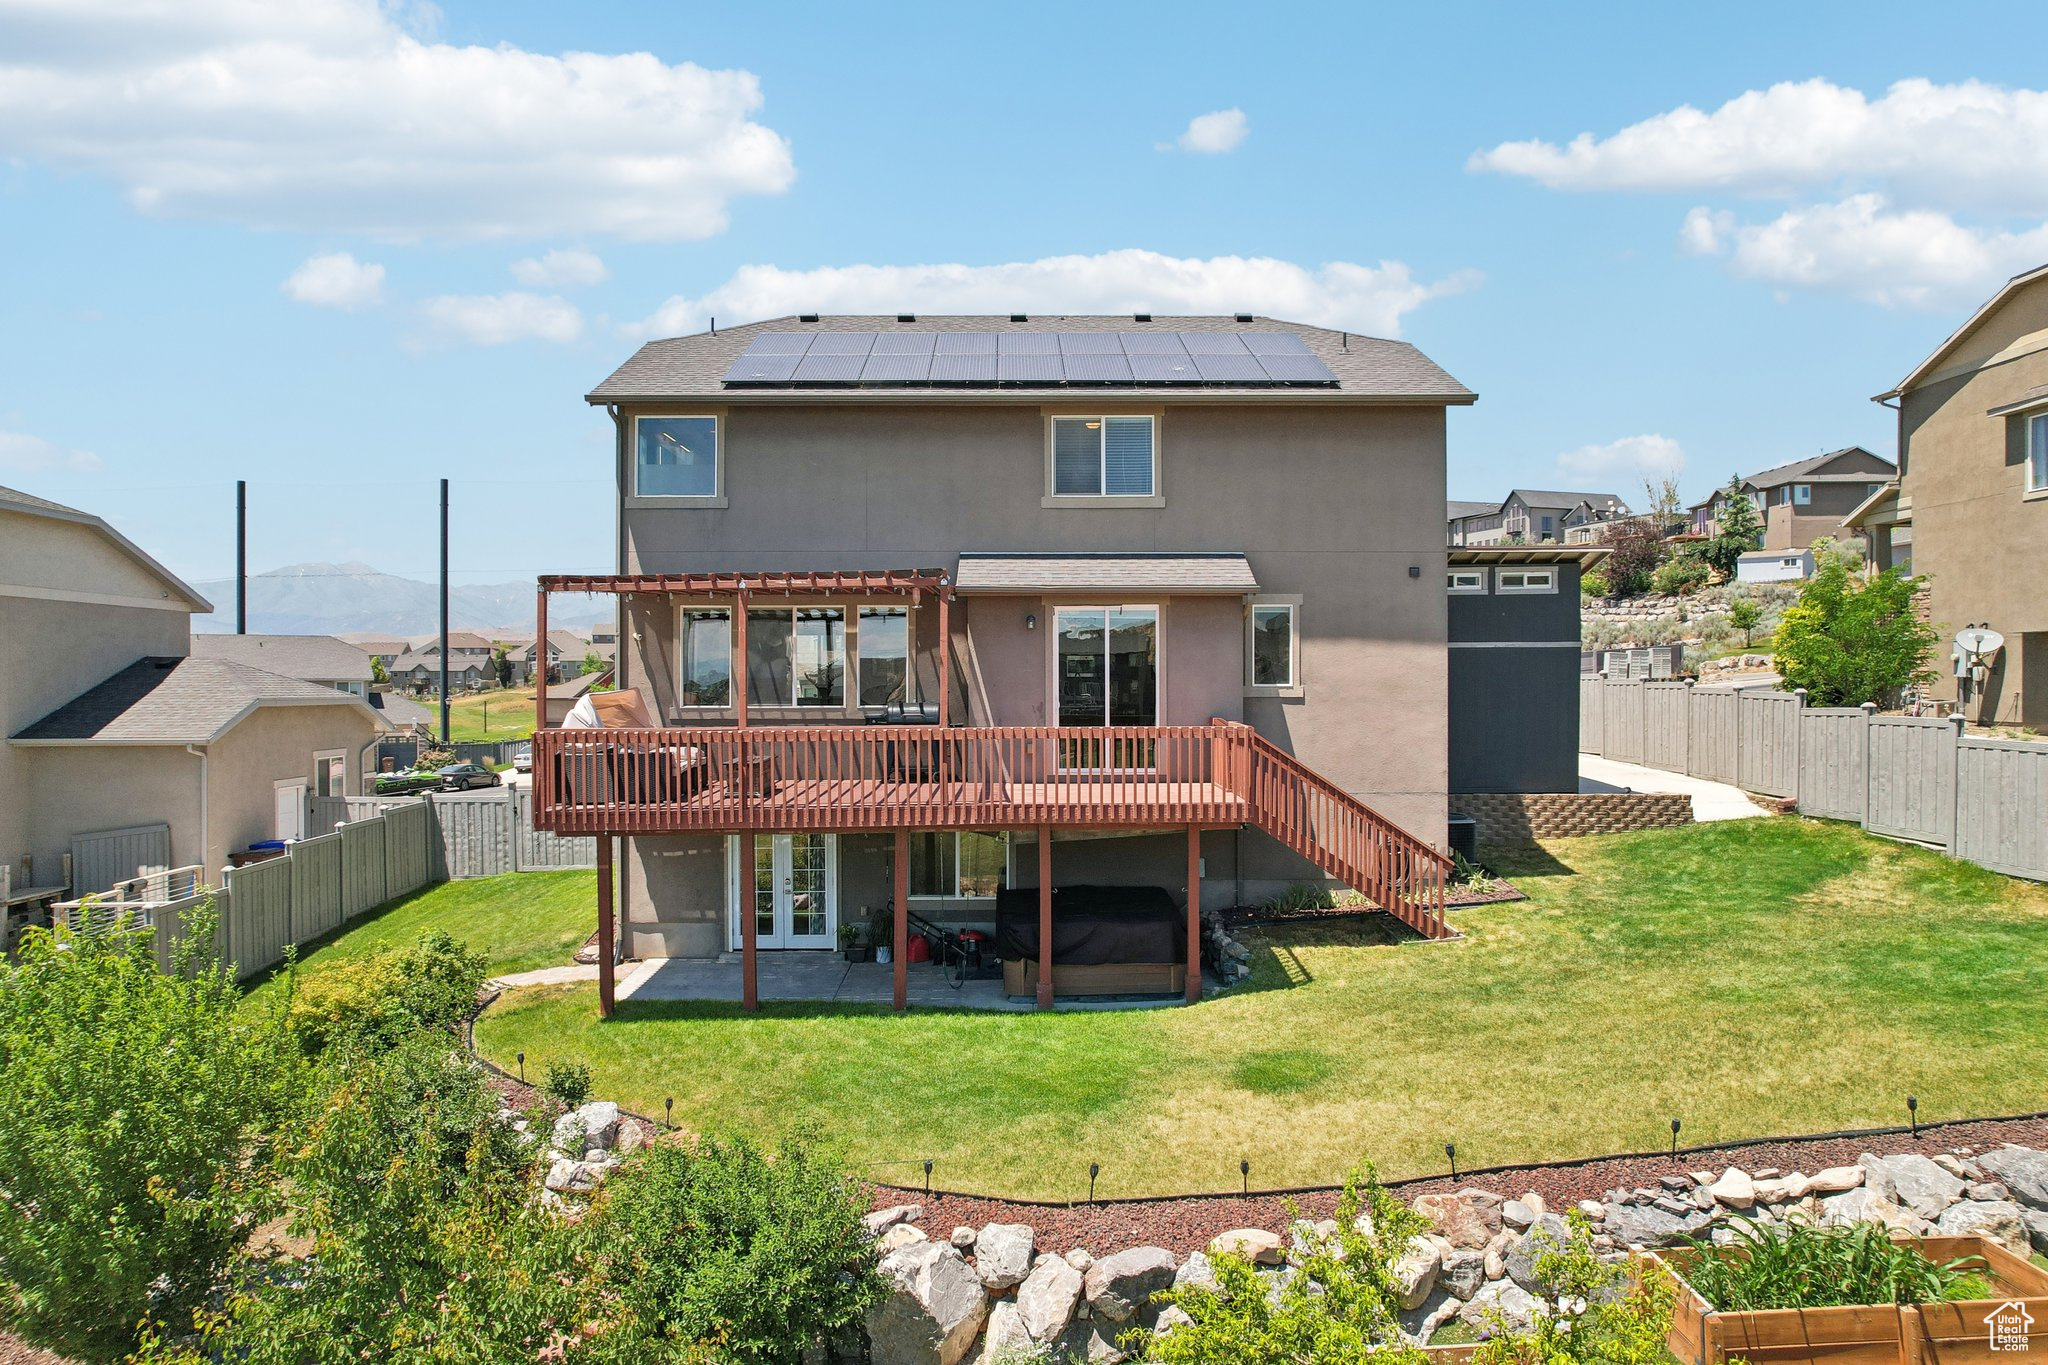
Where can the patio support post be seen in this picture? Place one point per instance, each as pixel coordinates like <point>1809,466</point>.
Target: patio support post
<point>540,657</point>
<point>750,986</point>
<point>1045,917</point>
<point>945,658</point>
<point>605,1000</point>
<point>899,967</point>
<point>1194,913</point>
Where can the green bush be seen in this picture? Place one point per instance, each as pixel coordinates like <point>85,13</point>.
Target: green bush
<point>388,995</point>
<point>719,1243</point>
<point>136,1113</point>
<point>1601,1312</point>
<point>1849,642</point>
<point>1801,1265</point>
<point>567,1083</point>
<point>1300,898</point>
<point>1593,583</point>
<point>1680,575</point>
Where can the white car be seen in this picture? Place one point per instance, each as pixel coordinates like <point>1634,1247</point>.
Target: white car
<point>522,759</point>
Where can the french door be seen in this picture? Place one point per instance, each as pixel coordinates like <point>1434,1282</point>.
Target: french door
<point>1107,673</point>
<point>792,890</point>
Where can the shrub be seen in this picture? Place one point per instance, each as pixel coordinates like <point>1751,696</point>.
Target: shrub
<point>567,1083</point>
<point>387,995</point>
<point>135,1114</point>
<point>1848,643</point>
<point>1593,583</point>
<point>1680,575</point>
<point>1635,549</point>
<point>1801,1265</point>
<point>717,1242</point>
<point>1300,898</point>
<point>1745,615</point>
<point>1604,1312</point>
<point>1342,1303</point>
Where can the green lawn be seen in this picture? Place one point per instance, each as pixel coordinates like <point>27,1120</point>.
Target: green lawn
<point>503,713</point>
<point>1751,978</point>
<point>518,921</point>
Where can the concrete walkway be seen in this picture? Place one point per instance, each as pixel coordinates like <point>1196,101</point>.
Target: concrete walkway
<point>547,976</point>
<point>1710,800</point>
<point>829,978</point>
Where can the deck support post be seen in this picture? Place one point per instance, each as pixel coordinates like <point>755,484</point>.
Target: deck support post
<point>899,957</point>
<point>605,935</point>
<point>945,658</point>
<point>1045,917</point>
<point>739,658</point>
<point>750,984</point>
<point>540,660</point>
<point>1194,913</point>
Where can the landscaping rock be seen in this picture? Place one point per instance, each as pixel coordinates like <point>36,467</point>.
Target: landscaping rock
<point>1004,1341</point>
<point>1046,1299</point>
<point>963,1237</point>
<point>2037,1228</point>
<point>1079,1258</point>
<point>1252,1244</point>
<point>2000,1222</point>
<point>1457,1219</point>
<point>1834,1180</point>
<point>1091,1344</point>
<point>1912,1181</point>
<point>561,1171</point>
<point>1415,1273</point>
<point>1461,1273</point>
<point>1988,1191</point>
<point>898,1237</point>
<point>1593,1209</point>
<point>1867,1205</point>
<point>1500,1303</point>
<point>1420,1324</point>
<point>1953,1164</point>
<point>1635,1226</point>
<point>595,1124</point>
<point>1197,1269</point>
<point>632,1137</point>
<point>2022,1170</point>
<point>1002,1255</point>
<point>881,1220</point>
<point>1775,1191</point>
<point>1517,1215</point>
<point>935,1309</point>
<point>1550,1234</point>
<point>1734,1189</point>
<point>1118,1286</point>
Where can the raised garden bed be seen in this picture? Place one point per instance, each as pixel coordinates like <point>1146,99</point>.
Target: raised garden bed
<point>1869,1334</point>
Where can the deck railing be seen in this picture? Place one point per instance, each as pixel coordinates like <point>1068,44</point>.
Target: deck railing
<point>766,778</point>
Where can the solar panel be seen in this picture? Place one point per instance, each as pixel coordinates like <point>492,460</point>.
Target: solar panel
<point>1048,358</point>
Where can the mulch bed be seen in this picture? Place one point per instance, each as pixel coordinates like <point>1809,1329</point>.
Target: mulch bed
<point>13,1351</point>
<point>1190,1222</point>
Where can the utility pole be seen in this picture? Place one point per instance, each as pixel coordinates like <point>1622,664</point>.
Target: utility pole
<point>444,613</point>
<point>241,556</point>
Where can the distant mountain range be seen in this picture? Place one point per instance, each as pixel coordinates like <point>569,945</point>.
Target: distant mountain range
<point>329,599</point>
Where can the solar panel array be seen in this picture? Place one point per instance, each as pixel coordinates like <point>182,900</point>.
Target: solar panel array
<point>924,359</point>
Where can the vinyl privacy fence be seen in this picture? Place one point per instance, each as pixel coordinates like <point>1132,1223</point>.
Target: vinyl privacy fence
<point>1906,777</point>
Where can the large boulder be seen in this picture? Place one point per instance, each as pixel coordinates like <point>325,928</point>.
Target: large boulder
<point>1998,1221</point>
<point>1866,1204</point>
<point>594,1125</point>
<point>1415,1272</point>
<point>1004,1341</point>
<point>1644,1225</point>
<point>2022,1170</point>
<point>1046,1299</point>
<point>934,1310</point>
<point>898,1237</point>
<point>1197,1269</point>
<point>1419,1324</point>
<point>1002,1254</point>
<point>1912,1181</point>
<point>2037,1228</point>
<point>1461,1273</point>
<point>1734,1189</point>
<point>1549,1234</point>
<point>1834,1180</point>
<point>1251,1244</point>
<point>1118,1286</point>
<point>1458,1219</point>
<point>881,1220</point>
<point>1502,1304</point>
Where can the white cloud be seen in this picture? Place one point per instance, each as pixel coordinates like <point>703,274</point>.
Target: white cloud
<point>1626,462</point>
<point>1366,299</point>
<point>493,319</point>
<point>336,280</point>
<point>1223,131</point>
<point>560,269</point>
<point>334,115</point>
<point>21,453</point>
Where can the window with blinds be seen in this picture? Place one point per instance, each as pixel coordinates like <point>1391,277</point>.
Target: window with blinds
<point>1103,457</point>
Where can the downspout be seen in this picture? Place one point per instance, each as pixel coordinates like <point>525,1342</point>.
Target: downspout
<point>198,751</point>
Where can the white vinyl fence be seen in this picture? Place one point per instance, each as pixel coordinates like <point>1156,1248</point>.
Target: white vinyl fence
<point>1924,780</point>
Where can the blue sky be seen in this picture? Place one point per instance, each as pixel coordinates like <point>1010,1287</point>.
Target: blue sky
<point>343,250</point>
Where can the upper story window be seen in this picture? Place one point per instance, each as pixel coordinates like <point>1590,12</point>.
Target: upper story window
<point>1802,493</point>
<point>2037,452</point>
<point>676,457</point>
<point>707,657</point>
<point>1273,645</point>
<point>1526,580</point>
<point>796,656</point>
<point>884,650</point>
<point>1104,457</point>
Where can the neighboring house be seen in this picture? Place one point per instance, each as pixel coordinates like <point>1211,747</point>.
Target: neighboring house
<point>1804,501</point>
<point>1774,566</point>
<point>1036,529</point>
<point>1514,666</point>
<point>385,650</point>
<point>565,694</point>
<point>319,659</point>
<point>400,714</point>
<point>121,749</point>
<point>1535,516</point>
<point>1970,509</point>
<point>459,642</point>
<point>417,672</point>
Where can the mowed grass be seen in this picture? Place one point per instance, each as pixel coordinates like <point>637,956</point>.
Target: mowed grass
<point>519,921</point>
<point>1750,978</point>
<point>503,713</point>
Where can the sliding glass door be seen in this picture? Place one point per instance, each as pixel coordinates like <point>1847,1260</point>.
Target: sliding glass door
<point>1107,673</point>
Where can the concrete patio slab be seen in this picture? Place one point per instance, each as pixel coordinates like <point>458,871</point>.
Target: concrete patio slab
<point>828,977</point>
<point>1710,800</point>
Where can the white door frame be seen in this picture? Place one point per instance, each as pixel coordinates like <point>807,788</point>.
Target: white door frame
<point>278,789</point>
<point>738,894</point>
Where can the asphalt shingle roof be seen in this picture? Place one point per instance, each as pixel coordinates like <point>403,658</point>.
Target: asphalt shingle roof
<point>695,366</point>
<point>163,700</point>
<point>315,658</point>
<point>15,495</point>
<point>1089,572</point>
<point>1454,510</point>
<point>1803,470</point>
<point>1545,497</point>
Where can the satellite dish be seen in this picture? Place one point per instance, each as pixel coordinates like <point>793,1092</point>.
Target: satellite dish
<point>1979,640</point>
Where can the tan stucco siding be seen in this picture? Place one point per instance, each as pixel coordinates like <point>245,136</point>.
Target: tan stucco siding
<point>85,790</point>
<point>71,560</point>
<point>273,744</point>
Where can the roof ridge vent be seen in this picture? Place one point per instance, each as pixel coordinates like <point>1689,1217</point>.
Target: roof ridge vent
<point>1141,317</point>
<point>806,317</point>
<point>1244,317</point>
<point>906,317</point>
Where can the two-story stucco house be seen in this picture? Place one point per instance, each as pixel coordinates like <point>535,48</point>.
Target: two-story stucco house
<point>927,609</point>
<point>1969,508</point>
<point>1535,516</point>
<point>1804,501</point>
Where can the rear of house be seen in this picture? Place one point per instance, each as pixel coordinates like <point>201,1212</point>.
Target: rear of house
<point>1081,542</point>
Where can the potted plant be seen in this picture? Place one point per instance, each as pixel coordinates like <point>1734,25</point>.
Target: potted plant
<point>850,943</point>
<point>879,933</point>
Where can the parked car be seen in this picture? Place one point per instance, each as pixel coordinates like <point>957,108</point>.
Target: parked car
<point>462,776</point>
<point>406,782</point>
<point>522,759</point>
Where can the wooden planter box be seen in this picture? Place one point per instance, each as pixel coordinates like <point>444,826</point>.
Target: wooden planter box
<point>1925,1334</point>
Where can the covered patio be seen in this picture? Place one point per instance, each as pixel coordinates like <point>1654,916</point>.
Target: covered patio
<point>828,977</point>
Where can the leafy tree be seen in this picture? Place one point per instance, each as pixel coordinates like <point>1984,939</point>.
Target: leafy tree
<point>501,665</point>
<point>136,1110</point>
<point>1849,642</point>
<point>377,670</point>
<point>592,663</point>
<point>1662,503</point>
<point>1738,529</point>
<point>1745,615</point>
<point>1635,548</point>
